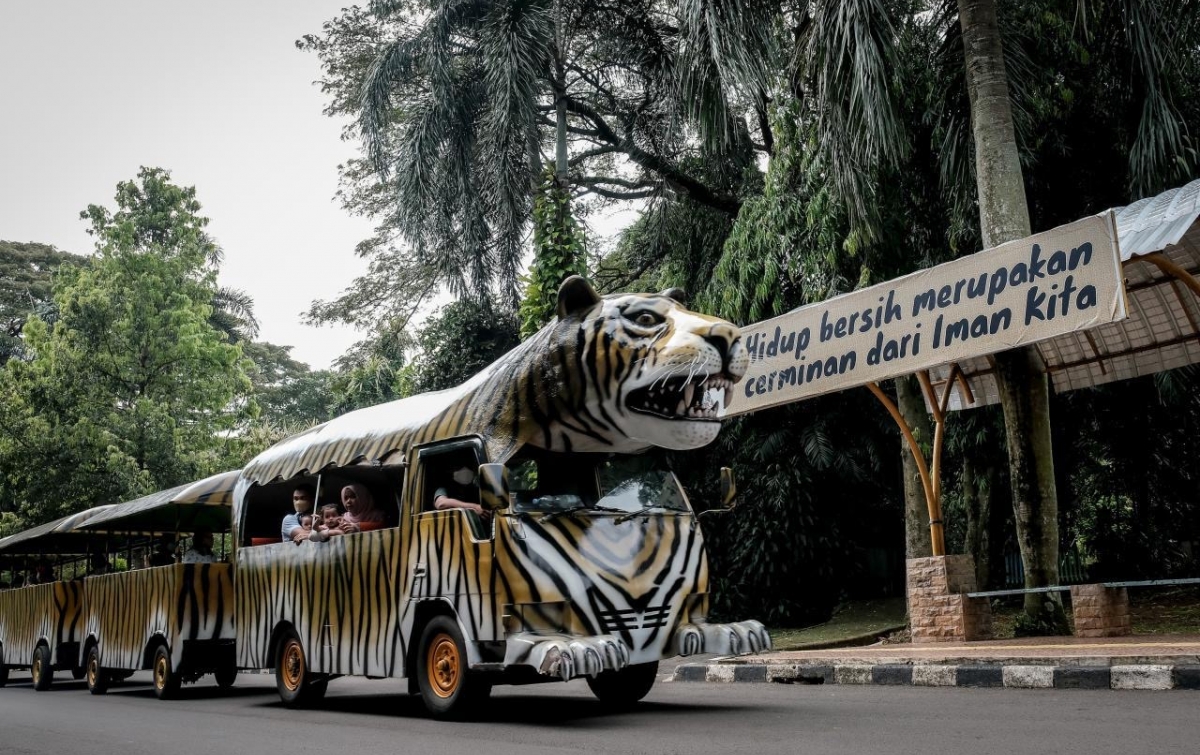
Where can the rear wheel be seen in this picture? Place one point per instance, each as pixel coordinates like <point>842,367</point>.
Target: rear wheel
<point>166,680</point>
<point>41,671</point>
<point>626,686</point>
<point>296,683</point>
<point>97,679</point>
<point>448,688</point>
<point>3,674</point>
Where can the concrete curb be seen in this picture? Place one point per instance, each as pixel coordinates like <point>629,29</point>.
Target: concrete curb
<point>1012,676</point>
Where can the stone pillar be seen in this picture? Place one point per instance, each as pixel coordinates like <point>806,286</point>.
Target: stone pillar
<point>1100,611</point>
<point>938,608</point>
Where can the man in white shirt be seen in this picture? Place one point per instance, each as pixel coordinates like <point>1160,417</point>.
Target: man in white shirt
<point>201,550</point>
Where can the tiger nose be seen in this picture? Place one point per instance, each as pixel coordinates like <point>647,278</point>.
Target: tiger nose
<point>727,341</point>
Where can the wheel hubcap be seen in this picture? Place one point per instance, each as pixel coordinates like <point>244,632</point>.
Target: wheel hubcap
<point>160,672</point>
<point>93,670</point>
<point>443,666</point>
<point>37,669</point>
<point>293,666</point>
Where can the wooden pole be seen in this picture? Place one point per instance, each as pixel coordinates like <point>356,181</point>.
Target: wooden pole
<point>1164,263</point>
<point>932,501</point>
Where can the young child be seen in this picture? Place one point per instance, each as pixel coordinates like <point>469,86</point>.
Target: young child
<point>331,521</point>
<point>306,523</point>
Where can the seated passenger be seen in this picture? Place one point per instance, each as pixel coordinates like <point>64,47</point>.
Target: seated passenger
<point>302,500</point>
<point>201,551</point>
<point>360,508</point>
<point>43,573</point>
<point>163,553</point>
<point>460,493</point>
<point>98,565</point>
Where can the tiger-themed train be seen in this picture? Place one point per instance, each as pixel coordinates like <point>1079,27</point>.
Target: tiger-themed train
<point>512,530</point>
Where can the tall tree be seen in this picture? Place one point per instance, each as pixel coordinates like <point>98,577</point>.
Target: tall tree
<point>131,387</point>
<point>26,277</point>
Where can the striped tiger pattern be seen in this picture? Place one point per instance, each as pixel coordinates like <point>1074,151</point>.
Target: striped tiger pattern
<point>596,379</point>
<point>351,600</point>
<point>129,611</point>
<point>567,388</point>
<point>50,614</point>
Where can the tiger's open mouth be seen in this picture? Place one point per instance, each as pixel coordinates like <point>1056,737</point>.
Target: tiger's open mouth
<point>700,397</point>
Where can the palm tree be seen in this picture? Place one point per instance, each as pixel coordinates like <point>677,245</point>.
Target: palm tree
<point>457,110</point>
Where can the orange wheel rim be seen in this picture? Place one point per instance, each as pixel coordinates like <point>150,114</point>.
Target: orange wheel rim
<point>443,666</point>
<point>292,667</point>
<point>93,669</point>
<point>161,670</point>
<point>37,669</point>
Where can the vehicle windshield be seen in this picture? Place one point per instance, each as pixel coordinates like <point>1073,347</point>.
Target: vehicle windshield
<point>557,483</point>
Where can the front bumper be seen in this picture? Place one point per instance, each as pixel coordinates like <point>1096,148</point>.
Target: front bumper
<point>739,638</point>
<point>566,657</point>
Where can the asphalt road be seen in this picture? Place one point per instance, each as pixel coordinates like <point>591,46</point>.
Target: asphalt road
<point>360,717</point>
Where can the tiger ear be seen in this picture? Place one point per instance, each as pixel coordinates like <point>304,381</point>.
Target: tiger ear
<point>677,294</point>
<point>576,295</point>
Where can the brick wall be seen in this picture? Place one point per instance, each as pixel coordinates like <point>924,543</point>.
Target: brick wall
<point>938,609</point>
<point>1100,611</point>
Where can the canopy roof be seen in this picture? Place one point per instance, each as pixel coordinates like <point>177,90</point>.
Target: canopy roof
<point>1159,241</point>
<point>61,536</point>
<point>184,508</point>
<point>181,509</point>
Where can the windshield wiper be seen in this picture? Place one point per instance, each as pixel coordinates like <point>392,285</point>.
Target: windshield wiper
<point>639,512</point>
<point>581,507</point>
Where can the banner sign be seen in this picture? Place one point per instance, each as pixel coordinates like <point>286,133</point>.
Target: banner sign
<point>1060,281</point>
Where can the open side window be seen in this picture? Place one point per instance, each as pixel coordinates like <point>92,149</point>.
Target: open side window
<point>267,506</point>
<point>442,474</point>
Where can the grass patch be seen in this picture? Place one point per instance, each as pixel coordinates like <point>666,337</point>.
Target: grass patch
<point>849,620</point>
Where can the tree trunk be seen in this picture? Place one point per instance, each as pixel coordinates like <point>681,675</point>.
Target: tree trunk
<point>917,542</point>
<point>1024,389</point>
<point>977,496</point>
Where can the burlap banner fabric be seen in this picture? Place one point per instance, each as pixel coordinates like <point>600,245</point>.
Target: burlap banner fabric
<point>1025,291</point>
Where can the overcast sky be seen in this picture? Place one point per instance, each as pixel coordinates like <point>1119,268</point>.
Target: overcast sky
<point>217,93</point>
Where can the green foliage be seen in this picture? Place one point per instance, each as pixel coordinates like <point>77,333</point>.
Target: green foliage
<point>288,393</point>
<point>459,342</point>
<point>26,275</point>
<point>371,373</point>
<point>131,387</point>
<point>558,253</point>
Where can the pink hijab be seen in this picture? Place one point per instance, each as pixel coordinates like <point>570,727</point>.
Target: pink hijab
<point>366,511</point>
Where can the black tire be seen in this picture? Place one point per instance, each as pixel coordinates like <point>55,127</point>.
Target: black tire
<point>166,679</point>
<point>298,686</point>
<point>448,688</point>
<point>226,675</point>
<point>625,687</point>
<point>41,671</point>
<point>97,677</point>
<point>3,674</point>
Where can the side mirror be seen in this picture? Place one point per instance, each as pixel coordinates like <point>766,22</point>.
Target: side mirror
<point>493,486</point>
<point>728,488</point>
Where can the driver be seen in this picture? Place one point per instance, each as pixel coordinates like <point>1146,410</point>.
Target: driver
<point>460,493</point>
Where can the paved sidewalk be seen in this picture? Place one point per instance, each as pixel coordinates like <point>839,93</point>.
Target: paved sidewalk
<point>1144,662</point>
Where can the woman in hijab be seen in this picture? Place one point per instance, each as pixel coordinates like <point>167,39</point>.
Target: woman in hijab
<point>360,508</point>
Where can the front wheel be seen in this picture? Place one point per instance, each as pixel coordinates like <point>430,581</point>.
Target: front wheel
<point>3,673</point>
<point>97,680</point>
<point>42,672</point>
<point>448,688</point>
<point>166,680</point>
<point>626,686</point>
<point>297,685</point>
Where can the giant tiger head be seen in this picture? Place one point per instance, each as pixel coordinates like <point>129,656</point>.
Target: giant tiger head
<point>649,371</point>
